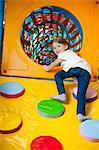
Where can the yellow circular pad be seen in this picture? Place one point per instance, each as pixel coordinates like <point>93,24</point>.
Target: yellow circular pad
<point>9,122</point>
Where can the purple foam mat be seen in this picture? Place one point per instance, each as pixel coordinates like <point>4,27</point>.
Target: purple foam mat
<point>91,94</point>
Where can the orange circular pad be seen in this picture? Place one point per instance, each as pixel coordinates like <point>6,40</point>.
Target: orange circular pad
<point>10,122</point>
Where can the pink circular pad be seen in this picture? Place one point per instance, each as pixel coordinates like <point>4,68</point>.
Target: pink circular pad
<point>91,94</point>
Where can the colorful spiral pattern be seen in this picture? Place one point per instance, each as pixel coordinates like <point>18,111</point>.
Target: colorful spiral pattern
<point>44,25</point>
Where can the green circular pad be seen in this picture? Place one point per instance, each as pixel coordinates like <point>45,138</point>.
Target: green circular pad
<point>50,108</point>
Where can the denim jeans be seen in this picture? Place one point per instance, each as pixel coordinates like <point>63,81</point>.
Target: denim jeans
<point>83,78</point>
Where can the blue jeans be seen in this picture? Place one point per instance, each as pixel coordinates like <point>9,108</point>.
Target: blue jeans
<point>83,78</point>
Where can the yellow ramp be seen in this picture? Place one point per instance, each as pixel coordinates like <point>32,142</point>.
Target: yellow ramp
<point>64,128</point>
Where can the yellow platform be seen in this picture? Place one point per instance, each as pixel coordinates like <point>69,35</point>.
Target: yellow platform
<point>64,128</point>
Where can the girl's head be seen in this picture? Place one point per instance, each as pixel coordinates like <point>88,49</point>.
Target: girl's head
<point>60,45</point>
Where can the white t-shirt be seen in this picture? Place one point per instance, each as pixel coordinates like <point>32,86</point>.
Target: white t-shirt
<point>70,60</point>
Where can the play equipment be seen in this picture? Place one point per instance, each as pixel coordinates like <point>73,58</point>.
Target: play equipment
<point>10,122</point>
<point>46,143</point>
<point>50,108</point>
<point>16,61</point>
<point>11,89</point>
<point>89,129</point>
<point>91,94</point>
<point>36,26</point>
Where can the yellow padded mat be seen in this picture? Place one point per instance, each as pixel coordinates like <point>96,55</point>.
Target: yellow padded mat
<point>64,128</point>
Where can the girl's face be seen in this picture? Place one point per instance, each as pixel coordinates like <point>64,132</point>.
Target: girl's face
<point>59,48</point>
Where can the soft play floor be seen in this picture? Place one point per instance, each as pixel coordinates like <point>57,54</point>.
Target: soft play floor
<point>65,128</point>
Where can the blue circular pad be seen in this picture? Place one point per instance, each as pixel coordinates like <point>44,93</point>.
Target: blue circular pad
<point>11,89</point>
<point>89,129</point>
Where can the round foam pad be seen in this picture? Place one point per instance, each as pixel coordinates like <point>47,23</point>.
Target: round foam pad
<point>50,108</point>
<point>91,94</point>
<point>89,129</point>
<point>11,89</point>
<point>46,143</point>
<point>10,122</point>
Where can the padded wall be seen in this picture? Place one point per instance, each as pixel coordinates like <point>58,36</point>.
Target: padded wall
<point>14,59</point>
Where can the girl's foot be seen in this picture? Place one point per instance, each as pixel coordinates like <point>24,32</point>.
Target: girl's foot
<point>60,97</point>
<point>82,118</point>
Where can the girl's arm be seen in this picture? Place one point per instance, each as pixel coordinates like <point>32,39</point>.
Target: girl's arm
<point>52,65</point>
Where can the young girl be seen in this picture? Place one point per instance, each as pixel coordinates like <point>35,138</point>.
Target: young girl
<point>73,66</point>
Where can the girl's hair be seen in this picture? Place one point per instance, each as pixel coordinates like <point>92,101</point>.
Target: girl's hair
<point>62,41</point>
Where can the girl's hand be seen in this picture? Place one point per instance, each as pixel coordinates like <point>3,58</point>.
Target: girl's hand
<point>46,68</point>
<point>52,65</point>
